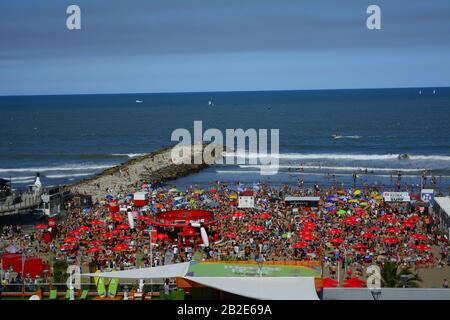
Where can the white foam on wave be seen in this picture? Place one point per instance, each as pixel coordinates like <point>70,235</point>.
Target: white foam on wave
<point>129,155</point>
<point>343,168</point>
<point>68,168</point>
<point>59,176</point>
<point>335,156</point>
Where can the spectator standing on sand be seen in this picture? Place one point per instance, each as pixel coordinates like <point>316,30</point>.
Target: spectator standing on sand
<point>445,284</point>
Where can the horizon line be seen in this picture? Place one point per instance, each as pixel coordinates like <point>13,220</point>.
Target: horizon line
<point>222,91</point>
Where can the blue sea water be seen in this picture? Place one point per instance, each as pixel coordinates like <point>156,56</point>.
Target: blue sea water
<point>67,138</point>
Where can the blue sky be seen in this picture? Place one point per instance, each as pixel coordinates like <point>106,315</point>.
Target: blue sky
<point>221,45</point>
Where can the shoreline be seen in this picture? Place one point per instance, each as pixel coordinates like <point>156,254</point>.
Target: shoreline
<point>154,167</point>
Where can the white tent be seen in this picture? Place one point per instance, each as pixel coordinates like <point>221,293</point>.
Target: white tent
<point>167,271</point>
<point>264,288</point>
<point>275,288</point>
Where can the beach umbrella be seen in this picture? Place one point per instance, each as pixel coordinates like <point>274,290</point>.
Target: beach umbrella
<point>350,220</point>
<point>299,245</point>
<point>107,235</point>
<point>238,215</point>
<point>359,246</point>
<point>407,224</point>
<point>96,223</point>
<point>97,229</point>
<point>229,235</point>
<point>357,192</point>
<point>256,228</point>
<point>116,231</point>
<point>83,228</point>
<point>174,190</point>
<point>125,237</point>
<point>329,198</point>
<point>371,229</point>
<point>40,226</point>
<point>334,231</point>
<point>213,190</point>
<point>265,215</point>
<point>95,242</point>
<point>162,236</point>
<point>390,241</point>
<point>368,236</point>
<point>123,226</point>
<point>70,240</point>
<point>419,236</point>
<point>307,237</point>
<point>422,247</point>
<point>392,230</point>
<point>67,247</point>
<point>341,212</point>
<point>309,225</point>
<point>120,247</point>
<point>74,233</point>
<point>142,218</point>
<point>329,283</point>
<point>93,249</point>
<point>337,240</point>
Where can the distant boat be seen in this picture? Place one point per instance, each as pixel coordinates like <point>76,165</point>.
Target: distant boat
<point>211,103</point>
<point>434,91</point>
<point>139,101</point>
<point>420,92</point>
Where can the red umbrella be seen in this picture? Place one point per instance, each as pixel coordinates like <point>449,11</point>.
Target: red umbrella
<point>238,215</point>
<point>70,240</point>
<point>300,244</point>
<point>107,235</point>
<point>419,236</point>
<point>125,237</point>
<point>229,235</point>
<point>392,230</point>
<point>123,226</point>
<point>74,233</point>
<point>390,240</point>
<point>67,247</point>
<point>309,225</point>
<point>83,228</point>
<point>408,224</point>
<point>116,219</point>
<point>96,223</point>
<point>255,216</point>
<point>93,249</point>
<point>40,226</point>
<point>308,237</point>
<point>329,283</point>
<point>352,285</point>
<point>337,240</point>
<point>120,247</point>
<point>97,229</point>
<point>368,236</point>
<point>359,246</point>
<point>334,231</point>
<point>422,247</point>
<point>350,220</point>
<point>162,236</point>
<point>373,229</point>
<point>265,215</point>
<point>95,242</point>
<point>142,218</point>
<point>256,228</point>
<point>116,231</point>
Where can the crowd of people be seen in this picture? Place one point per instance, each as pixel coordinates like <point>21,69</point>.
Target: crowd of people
<point>350,227</point>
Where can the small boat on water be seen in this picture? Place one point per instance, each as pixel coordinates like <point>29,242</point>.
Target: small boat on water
<point>139,101</point>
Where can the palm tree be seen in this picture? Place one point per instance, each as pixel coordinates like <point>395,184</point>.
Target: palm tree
<point>391,276</point>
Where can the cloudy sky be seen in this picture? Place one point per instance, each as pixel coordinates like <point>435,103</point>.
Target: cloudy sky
<point>221,45</point>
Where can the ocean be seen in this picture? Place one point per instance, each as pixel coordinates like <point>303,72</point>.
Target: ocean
<point>71,137</point>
